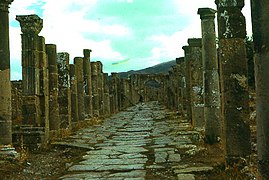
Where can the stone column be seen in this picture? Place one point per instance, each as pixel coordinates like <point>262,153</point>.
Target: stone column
<point>233,73</point>
<point>187,81</point>
<point>260,26</point>
<point>54,120</point>
<point>213,125</point>
<point>181,85</point>
<point>74,93</point>
<point>95,95</point>
<point>196,82</point>
<point>100,86</point>
<point>5,84</point>
<point>78,61</point>
<point>87,82</point>
<point>64,98</point>
<point>115,82</point>
<point>106,95</point>
<point>31,25</point>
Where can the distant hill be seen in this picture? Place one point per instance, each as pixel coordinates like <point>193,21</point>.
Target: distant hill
<point>159,68</point>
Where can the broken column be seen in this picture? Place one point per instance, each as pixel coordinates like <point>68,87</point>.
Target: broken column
<point>64,98</point>
<point>187,81</point>
<point>87,82</point>
<point>78,61</point>
<point>54,120</point>
<point>233,75</point>
<point>5,84</point>
<point>260,26</point>
<point>196,82</point>
<point>74,93</point>
<point>212,111</point>
<point>95,95</point>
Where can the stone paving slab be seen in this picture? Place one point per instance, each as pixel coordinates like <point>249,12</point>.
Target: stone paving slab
<point>142,142</point>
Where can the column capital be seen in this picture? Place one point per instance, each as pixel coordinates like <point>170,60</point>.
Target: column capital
<point>87,52</point>
<point>4,4</point>
<point>195,42</point>
<point>30,24</point>
<point>186,49</point>
<point>206,13</point>
<point>230,3</point>
<point>180,60</point>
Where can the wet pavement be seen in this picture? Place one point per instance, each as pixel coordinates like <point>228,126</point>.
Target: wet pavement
<point>143,142</point>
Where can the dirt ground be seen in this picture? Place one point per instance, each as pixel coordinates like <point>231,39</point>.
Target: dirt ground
<point>49,164</point>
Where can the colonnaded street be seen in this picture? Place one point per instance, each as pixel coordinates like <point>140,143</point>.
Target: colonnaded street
<point>143,142</point>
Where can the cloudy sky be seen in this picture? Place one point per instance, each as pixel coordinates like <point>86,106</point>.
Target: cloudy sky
<point>123,34</point>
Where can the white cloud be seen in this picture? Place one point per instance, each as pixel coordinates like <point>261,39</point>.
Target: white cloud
<point>66,24</point>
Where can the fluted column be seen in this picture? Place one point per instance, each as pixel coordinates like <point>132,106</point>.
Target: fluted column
<point>233,75</point>
<point>213,125</point>
<point>5,84</point>
<point>260,26</point>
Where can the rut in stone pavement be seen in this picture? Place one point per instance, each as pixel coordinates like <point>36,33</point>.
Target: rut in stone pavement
<point>143,142</point>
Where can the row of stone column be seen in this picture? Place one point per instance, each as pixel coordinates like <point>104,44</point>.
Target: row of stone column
<point>209,86</point>
<point>56,93</point>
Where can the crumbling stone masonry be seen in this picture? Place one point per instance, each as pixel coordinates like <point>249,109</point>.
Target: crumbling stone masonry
<point>74,93</point>
<point>87,82</point>
<point>196,82</point>
<point>34,71</point>
<point>54,119</point>
<point>64,97</point>
<point>80,87</point>
<point>260,26</point>
<point>233,73</point>
<point>212,109</point>
<point>5,84</point>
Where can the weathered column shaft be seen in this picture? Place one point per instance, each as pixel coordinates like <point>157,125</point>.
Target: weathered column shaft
<point>181,84</point>
<point>100,86</point>
<point>5,84</point>
<point>95,95</point>
<point>78,61</point>
<point>54,120</point>
<point>260,26</point>
<point>212,111</point>
<point>32,60</point>
<point>106,95</point>
<point>64,96</point>
<point>114,92</point>
<point>233,73</point>
<point>87,83</point>
<point>187,81</point>
<point>74,93</point>
<point>196,82</point>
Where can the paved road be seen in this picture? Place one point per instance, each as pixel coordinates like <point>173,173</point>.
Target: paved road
<point>143,142</point>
